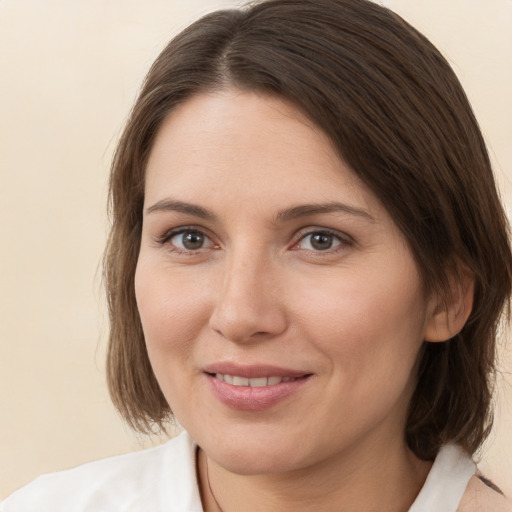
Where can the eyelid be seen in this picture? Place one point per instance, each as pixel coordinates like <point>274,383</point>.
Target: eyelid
<point>166,237</point>
<point>345,239</point>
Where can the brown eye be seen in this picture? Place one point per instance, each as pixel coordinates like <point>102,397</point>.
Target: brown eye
<point>190,240</point>
<point>319,241</point>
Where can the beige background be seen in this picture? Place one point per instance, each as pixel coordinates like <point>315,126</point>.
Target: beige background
<point>69,72</point>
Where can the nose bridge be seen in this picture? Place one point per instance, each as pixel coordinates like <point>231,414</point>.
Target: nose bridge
<point>248,304</point>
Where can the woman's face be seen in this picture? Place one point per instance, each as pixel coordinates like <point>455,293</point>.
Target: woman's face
<point>282,309</point>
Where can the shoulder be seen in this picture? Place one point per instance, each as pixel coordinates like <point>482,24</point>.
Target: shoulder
<point>146,480</point>
<point>480,497</point>
<point>455,484</point>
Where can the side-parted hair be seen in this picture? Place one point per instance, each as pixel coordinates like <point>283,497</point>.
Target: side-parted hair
<point>398,116</point>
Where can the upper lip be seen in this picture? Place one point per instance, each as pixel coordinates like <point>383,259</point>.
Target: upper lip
<point>253,371</point>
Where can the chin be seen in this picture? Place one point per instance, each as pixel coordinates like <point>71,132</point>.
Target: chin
<point>253,463</point>
<point>256,454</point>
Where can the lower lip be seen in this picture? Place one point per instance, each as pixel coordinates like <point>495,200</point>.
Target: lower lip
<point>246,398</point>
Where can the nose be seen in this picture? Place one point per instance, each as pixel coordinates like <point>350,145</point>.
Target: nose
<point>250,305</point>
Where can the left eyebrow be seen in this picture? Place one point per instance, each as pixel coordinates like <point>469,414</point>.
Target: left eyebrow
<point>169,205</point>
<point>305,210</point>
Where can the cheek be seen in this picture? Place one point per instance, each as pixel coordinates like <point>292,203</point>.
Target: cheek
<point>368,325</point>
<point>171,311</point>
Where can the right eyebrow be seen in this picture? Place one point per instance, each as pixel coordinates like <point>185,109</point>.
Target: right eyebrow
<point>304,210</point>
<point>170,205</point>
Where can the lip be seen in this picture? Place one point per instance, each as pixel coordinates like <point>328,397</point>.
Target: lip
<point>246,398</point>
<point>253,371</point>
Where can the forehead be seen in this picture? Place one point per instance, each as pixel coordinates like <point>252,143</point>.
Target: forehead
<point>250,148</point>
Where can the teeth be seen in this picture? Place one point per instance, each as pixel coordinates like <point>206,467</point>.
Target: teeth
<point>240,381</point>
<point>257,382</point>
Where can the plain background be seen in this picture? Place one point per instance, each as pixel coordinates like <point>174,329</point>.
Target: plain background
<point>69,73</point>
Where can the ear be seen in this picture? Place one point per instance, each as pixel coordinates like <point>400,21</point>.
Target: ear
<point>447,314</point>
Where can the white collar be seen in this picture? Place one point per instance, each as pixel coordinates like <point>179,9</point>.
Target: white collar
<point>446,482</point>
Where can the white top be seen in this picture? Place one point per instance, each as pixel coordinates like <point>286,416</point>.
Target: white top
<point>163,479</point>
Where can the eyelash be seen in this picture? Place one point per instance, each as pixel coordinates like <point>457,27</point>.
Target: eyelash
<point>343,239</point>
<point>169,235</point>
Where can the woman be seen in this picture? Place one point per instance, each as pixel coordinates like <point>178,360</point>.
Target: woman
<point>306,269</point>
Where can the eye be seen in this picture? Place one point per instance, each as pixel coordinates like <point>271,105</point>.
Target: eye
<point>189,240</point>
<point>319,241</point>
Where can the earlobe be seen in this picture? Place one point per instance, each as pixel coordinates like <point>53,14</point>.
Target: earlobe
<point>449,313</point>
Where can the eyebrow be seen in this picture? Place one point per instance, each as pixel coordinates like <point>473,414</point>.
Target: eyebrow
<point>315,209</point>
<point>169,205</point>
<point>295,212</point>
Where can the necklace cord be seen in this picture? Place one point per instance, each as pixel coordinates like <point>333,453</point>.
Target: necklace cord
<point>209,484</point>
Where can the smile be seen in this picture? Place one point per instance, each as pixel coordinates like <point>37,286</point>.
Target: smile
<point>254,388</point>
<point>257,382</point>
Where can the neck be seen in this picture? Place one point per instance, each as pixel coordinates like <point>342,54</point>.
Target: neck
<point>384,478</point>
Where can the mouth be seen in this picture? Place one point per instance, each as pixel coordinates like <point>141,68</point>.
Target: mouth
<point>256,382</point>
<point>254,388</point>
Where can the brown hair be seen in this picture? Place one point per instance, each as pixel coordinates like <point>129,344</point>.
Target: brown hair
<point>399,118</point>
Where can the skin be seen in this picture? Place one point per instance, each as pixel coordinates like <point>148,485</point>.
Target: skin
<point>257,291</point>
